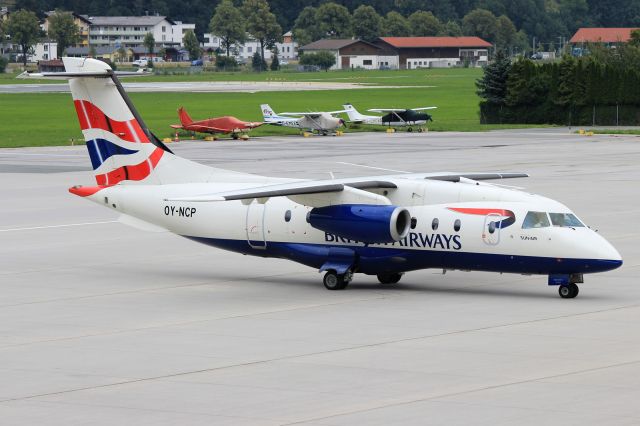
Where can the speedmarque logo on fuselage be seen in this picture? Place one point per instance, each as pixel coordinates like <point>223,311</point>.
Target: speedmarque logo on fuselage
<point>414,239</point>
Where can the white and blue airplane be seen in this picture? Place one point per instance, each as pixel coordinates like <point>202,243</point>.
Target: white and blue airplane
<point>321,122</point>
<point>383,225</point>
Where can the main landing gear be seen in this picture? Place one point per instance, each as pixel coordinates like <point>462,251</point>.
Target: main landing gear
<point>568,291</point>
<point>335,281</point>
<point>389,278</point>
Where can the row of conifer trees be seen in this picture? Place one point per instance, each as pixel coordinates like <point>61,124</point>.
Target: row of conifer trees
<point>601,88</point>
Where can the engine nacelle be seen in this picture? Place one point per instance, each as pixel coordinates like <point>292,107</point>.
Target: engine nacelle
<point>362,222</point>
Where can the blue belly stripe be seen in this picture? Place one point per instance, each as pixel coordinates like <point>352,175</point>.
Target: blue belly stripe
<point>375,260</point>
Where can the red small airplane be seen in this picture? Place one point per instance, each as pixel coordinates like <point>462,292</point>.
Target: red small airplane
<point>225,125</point>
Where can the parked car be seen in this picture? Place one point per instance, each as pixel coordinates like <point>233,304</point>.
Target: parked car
<point>140,63</point>
<point>197,63</point>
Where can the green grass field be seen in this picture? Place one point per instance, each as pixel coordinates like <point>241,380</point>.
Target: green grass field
<point>50,119</point>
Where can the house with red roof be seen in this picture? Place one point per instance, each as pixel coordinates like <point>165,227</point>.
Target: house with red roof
<point>435,52</point>
<point>609,36</point>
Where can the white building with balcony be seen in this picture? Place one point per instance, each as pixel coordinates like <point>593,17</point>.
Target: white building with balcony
<point>129,31</point>
<point>287,49</point>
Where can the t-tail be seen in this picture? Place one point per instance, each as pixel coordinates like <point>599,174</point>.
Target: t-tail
<point>121,147</point>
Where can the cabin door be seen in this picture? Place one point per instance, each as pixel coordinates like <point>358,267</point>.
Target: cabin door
<point>255,225</point>
<point>491,230</point>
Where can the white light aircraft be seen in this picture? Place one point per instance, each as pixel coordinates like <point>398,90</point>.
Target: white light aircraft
<point>383,225</point>
<point>394,117</point>
<point>322,122</point>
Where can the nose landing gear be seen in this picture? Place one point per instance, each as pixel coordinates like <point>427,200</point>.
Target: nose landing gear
<point>568,291</point>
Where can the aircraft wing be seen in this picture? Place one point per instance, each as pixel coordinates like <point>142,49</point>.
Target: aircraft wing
<point>460,177</point>
<point>317,193</point>
<point>387,109</point>
<point>424,108</point>
<point>306,114</point>
<point>320,193</point>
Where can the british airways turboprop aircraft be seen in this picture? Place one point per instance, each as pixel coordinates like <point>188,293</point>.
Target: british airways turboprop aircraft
<point>384,225</point>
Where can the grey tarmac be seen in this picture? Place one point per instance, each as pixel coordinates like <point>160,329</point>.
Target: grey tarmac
<point>104,324</point>
<point>200,86</point>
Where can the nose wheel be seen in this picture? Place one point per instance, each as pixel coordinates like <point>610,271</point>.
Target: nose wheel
<point>568,291</point>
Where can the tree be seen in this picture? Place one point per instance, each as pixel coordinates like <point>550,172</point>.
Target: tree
<point>92,51</point>
<point>262,24</point>
<point>492,87</point>
<point>275,62</point>
<point>257,63</point>
<point>452,29</point>
<point>481,23</point>
<point>323,59</point>
<point>424,24</point>
<point>334,20</point>
<point>24,29</point>
<point>150,43</point>
<point>122,54</point>
<point>635,38</point>
<point>228,24</point>
<point>305,29</point>
<point>191,44</point>
<point>396,25</point>
<point>367,24</point>
<point>63,30</point>
<point>505,33</point>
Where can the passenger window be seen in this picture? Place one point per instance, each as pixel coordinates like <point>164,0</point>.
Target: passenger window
<point>565,220</point>
<point>414,223</point>
<point>492,227</point>
<point>535,220</point>
<point>456,225</point>
<point>434,224</point>
<point>287,216</point>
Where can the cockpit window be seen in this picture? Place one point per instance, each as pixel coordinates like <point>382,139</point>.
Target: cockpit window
<point>535,220</point>
<point>565,220</point>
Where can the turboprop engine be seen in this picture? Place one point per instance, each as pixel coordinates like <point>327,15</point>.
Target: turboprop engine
<point>362,222</point>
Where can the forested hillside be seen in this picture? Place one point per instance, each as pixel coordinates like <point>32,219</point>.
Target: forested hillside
<point>547,20</point>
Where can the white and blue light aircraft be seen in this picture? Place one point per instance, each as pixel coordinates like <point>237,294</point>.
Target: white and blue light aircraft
<point>321,122</point>
<point>383,225</point>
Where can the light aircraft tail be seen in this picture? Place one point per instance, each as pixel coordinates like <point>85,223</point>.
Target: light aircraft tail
<point>267,112</point>
<point>185,120</point>
<point>352,113</point>
<point>121,147</point>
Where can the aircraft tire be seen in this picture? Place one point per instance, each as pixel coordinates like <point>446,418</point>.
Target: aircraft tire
<point>333,281</point>
<point>389,278</point>
<point>568,291</point>
<point>410,129</point>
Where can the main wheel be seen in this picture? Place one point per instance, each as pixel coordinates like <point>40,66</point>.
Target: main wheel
<point>389,278</point>
<point>419,129</point>
<point>333,281</point>
<point>568,291</point>
<point>235,136</point>
<point>410,129</point>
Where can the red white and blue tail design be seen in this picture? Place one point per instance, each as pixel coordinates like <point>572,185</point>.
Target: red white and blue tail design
<point>119,146</point>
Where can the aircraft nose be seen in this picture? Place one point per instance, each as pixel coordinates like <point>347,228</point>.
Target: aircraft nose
<point>604,253</point>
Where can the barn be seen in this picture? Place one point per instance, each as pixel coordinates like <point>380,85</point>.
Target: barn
<point>435,52</point>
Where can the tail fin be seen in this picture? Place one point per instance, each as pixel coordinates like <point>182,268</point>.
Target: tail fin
<point>185,120</point>
<point>121,147</point>
<point>352,113</point>
<point>267,112</point>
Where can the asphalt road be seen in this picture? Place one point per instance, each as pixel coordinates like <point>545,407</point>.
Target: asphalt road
<point>104,324</point>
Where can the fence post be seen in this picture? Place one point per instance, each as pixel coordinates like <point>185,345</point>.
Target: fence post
<point>617,122</point>
<point>593,118</point>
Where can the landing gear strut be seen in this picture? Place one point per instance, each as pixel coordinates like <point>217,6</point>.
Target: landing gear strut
<point>335,281</point>
<point>389,278</point>
<point>568,291</point>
